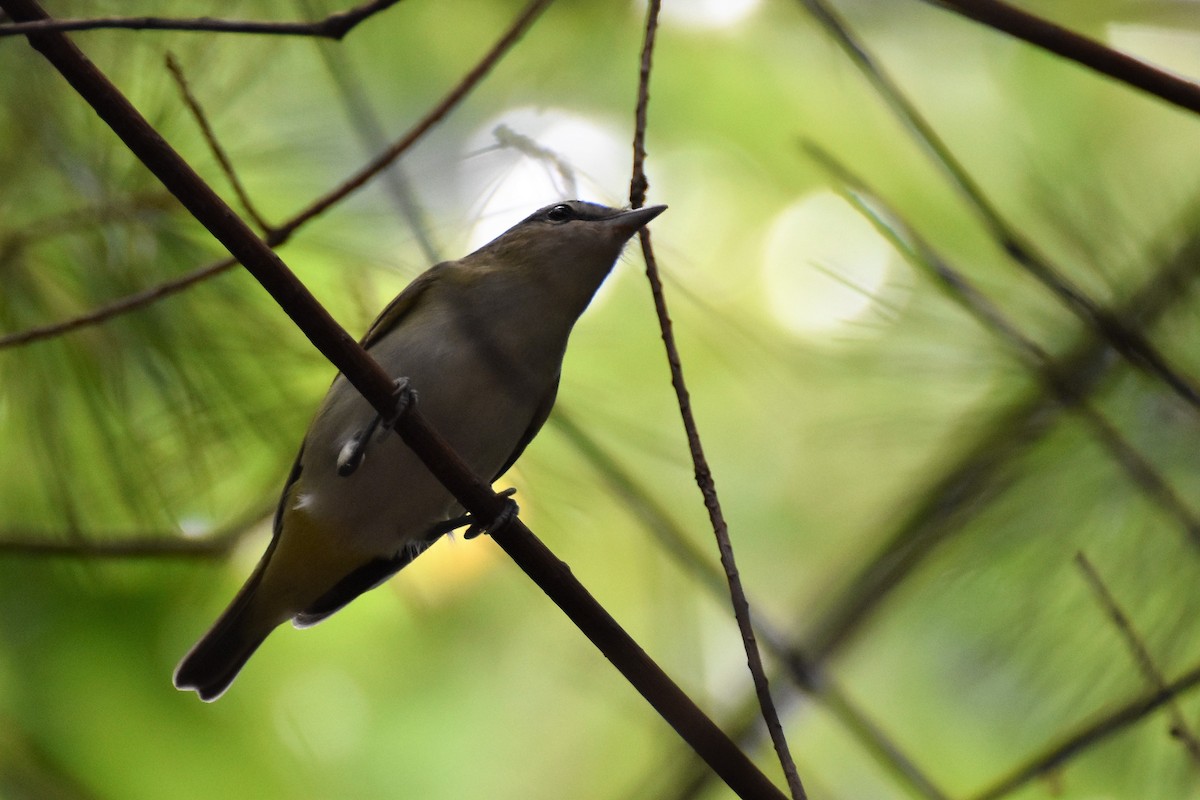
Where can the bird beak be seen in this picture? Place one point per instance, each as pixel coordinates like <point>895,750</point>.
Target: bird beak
<point>629,222</point>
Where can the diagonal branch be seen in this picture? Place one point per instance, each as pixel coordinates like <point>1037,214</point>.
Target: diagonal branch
<point>122,305</point>
<point>214,144</point>
<point>1049,371</point>
<point>526,18</point>
<point>796,667</point>
<point>1141,654</point>
<point>216,545</point>
<point>1087,736</point>
<point>334,26</point>
<point>704,479</point>
<point>981,472</point>
<point>365,374</point>
<point>1080,49</point>
<point>1124,337</point>
<point>373,136</point>
<point>281,234</point>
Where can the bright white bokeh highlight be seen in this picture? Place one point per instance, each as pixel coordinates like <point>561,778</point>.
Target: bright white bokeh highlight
<point>704,15</point>
<point>708,235</point>
<point>529,157</point>
<point>824,265</point>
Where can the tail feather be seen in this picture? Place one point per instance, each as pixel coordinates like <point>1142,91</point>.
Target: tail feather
<point>214,661</point>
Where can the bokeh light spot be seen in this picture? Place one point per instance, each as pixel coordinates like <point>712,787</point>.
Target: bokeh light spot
<point>823,265</point>
<point>705,15</point>
<point>529,157</point>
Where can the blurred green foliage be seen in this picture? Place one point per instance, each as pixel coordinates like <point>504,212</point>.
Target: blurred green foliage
<point>826,432</point>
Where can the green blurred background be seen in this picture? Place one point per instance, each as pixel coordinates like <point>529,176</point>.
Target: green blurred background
<point>836,385</point>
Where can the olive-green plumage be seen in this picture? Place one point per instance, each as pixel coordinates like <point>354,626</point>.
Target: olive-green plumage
<point>481,341</point>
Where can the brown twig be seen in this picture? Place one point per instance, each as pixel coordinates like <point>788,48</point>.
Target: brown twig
<point>1126,339</point>
<point>1049,371</point>
<point>215,545</point>
<point>510,37</point>
<point>692,782</point>
<point>981,471</point>
<point>373,136</point>
<point>657,520</point>
<point>365,374</point>
<point>1080,49</point>
<point>741,607</point>
<point>282,233</point>
<point>1088,736</point>
<point>123,305</point>
<point>334,26</point>
<point>214,145</point>
<point>1141,654</point>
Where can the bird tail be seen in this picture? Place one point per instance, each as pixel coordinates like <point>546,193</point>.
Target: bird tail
<point>214,661</point>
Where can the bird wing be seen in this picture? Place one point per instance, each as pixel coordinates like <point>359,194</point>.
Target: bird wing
<point>378,570</point>
<point>540,415</point>
<point>362,579</point>
<point>402,304</point>
<point>391,316</point>
<point>293,476</point>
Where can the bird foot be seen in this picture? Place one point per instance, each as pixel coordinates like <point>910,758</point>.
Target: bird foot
<point>506,515</point>
<point>355,449</point>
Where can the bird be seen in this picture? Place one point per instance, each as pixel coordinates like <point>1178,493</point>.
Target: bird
<point>478,343</point>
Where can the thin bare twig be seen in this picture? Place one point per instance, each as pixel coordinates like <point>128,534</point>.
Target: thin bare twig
<point>1080,49</point>
<point>1141,654</point>
<point>922,256</point>
<point>1088,736</point>
<point>692,782</point>
<point>376,386</point>
<point>373,136</point>
<point>334,26</point>
<point>657,520</point>
<point>215,545</point>
<point>282,233</point>
<point>1126,339</point>
<point>213,144</point>
<point>122,305</point>
<point>530,13</point>
<point>741,607</point>
<point>981,471</point>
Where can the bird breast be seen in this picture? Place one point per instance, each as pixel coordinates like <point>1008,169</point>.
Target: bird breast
<point>475,388</point>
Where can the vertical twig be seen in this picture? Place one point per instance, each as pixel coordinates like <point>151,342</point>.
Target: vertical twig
<point>638,186</point>
<point>658,522</point>
<point>550,574</point>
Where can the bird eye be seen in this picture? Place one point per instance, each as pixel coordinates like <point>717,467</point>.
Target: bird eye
<point>560,213</point>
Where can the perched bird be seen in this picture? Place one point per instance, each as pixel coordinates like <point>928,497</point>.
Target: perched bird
<point>481,342</point>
